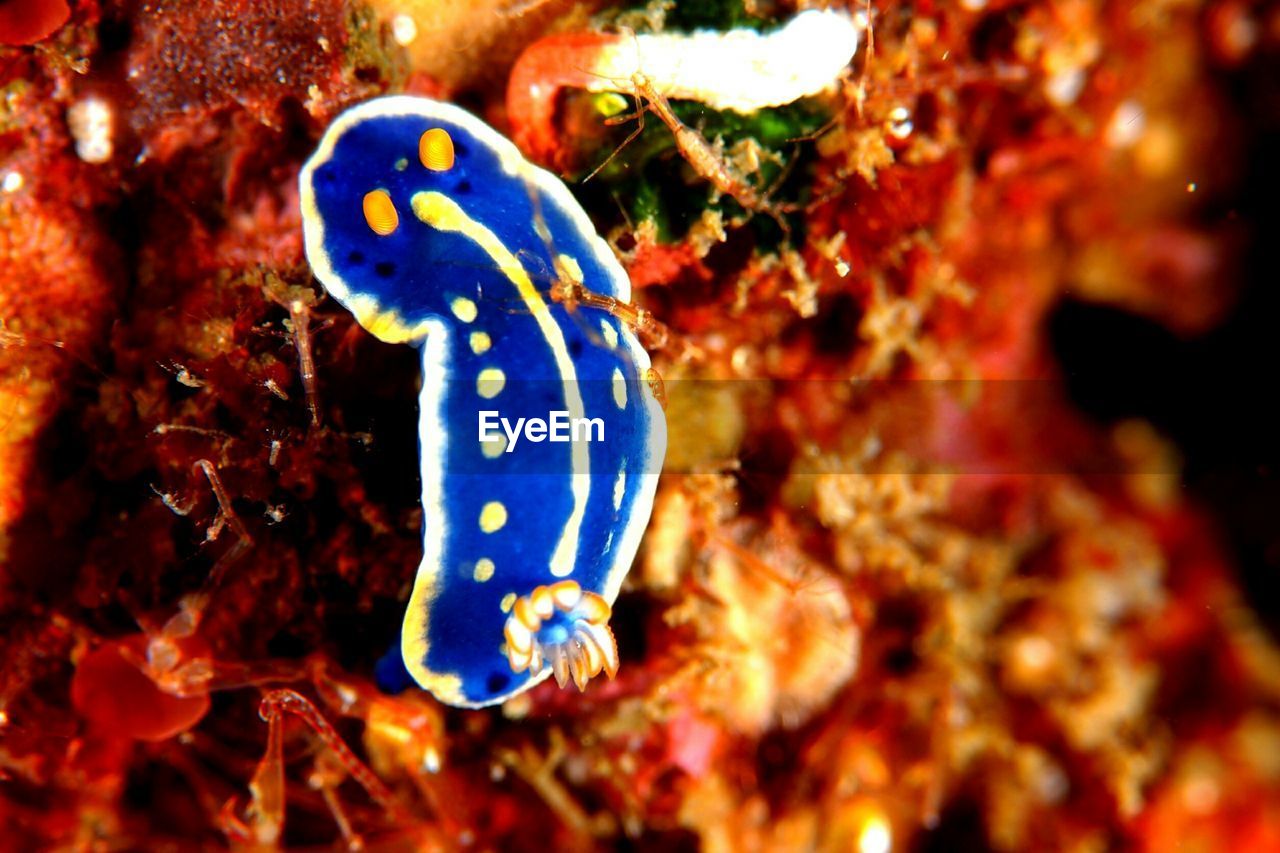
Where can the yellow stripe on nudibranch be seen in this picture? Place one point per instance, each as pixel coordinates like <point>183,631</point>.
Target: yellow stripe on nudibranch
<point>440,211</point>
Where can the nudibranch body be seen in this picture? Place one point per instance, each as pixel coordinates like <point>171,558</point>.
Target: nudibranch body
<point>433,230</point>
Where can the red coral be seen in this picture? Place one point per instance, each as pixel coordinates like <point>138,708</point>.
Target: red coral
<point>29,21</point>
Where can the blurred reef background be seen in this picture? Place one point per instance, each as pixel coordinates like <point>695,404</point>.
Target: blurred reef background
<point>967,537</point>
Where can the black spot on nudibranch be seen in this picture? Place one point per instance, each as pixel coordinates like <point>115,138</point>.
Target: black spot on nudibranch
<point>463,187</point>
<point>355,258</point>
<point>497,682</point>
<point>575,347</point>
<point>386,269</point>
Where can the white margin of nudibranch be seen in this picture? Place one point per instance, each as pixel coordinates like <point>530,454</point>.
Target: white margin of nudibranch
<point>740,70</point>
<point>433,445</point>
<point>445,685</point>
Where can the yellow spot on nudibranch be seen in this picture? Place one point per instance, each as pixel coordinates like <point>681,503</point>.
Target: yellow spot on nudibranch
<point>492,517</point>
<point>463,308</point>
<point>490,382</point>
<point>380,212</point>
<point>494,449</point>
<point>610,334</point>
<point>508,601</point>
<point>619,389</point>
<point>480,342</point>
<point>484,570</point>
<point>435,149</point>
<point>567,265</point>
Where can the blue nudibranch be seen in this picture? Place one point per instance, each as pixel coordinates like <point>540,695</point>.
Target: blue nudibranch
<point>433,230</point>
